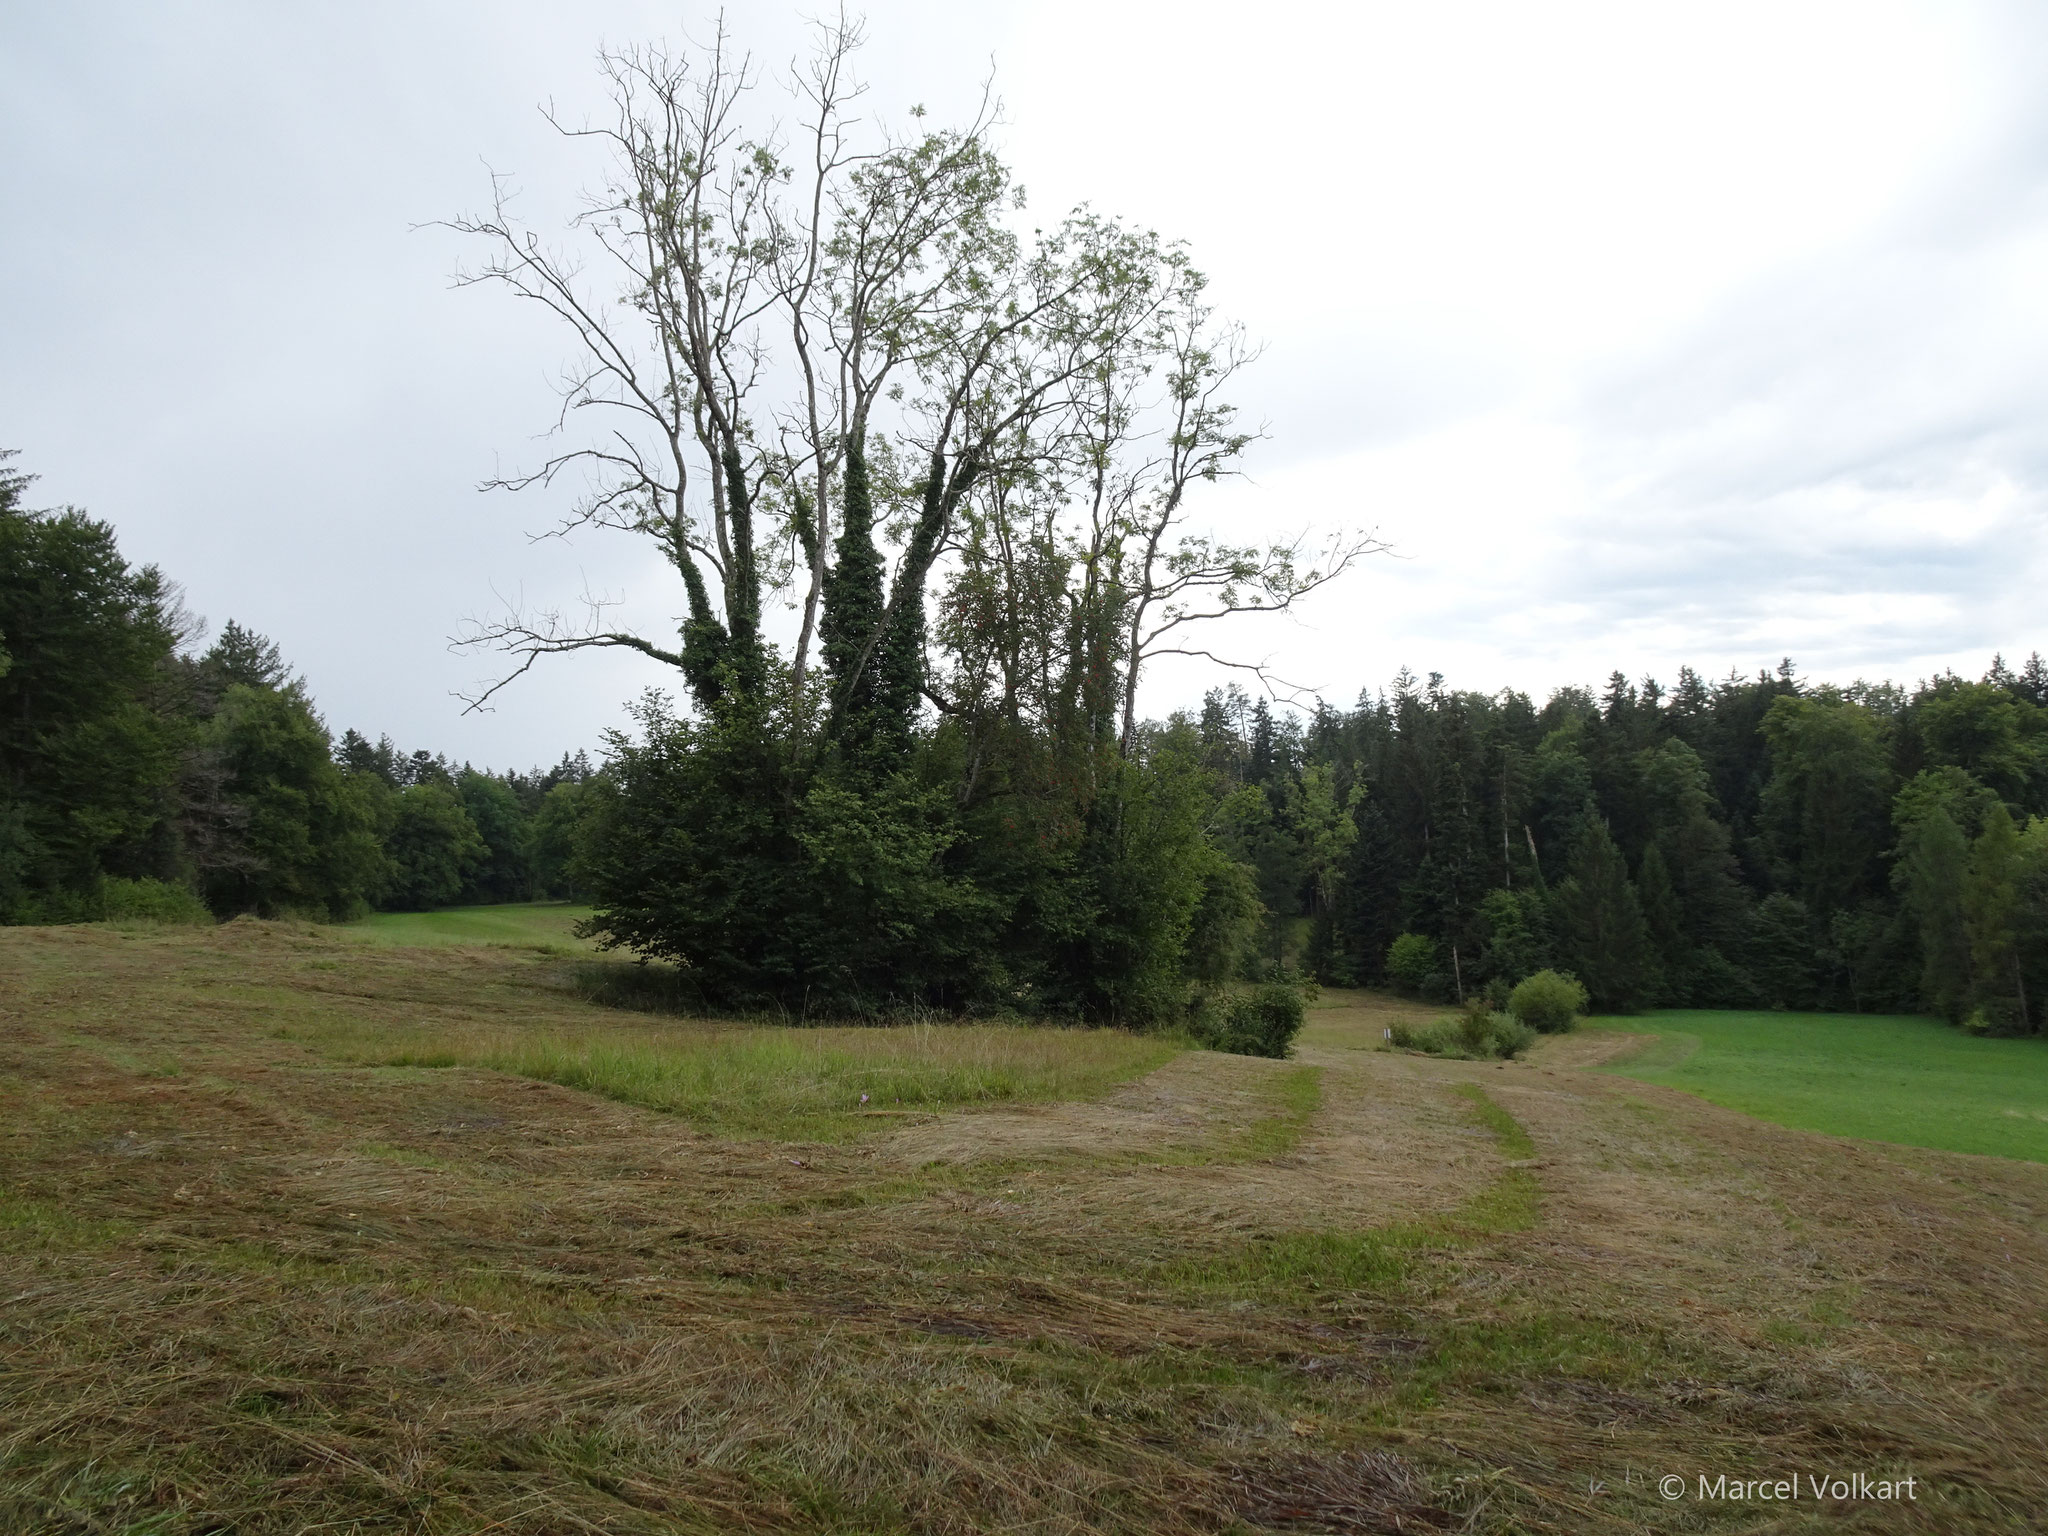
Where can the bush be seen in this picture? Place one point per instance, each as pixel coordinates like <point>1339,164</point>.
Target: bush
<point>1411,961</point>
<point>1548,1001</point>
<point>1478,1034</point>
<point>1260,1022</point>
<point>150,901</point>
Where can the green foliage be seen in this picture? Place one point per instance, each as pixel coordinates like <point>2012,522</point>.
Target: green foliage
<point>1365,911</point>
<point>1601,930</point>
<point>1515,925</point>
<point>1258,1021</point>
<point>831,848</point>
<point>1693,844</point>
<point>848,891</point>
<point>1479,1033</point>
<point>1549,1002</point>
<point>1784,953</point>
<point>433,847</point>
<point>149,900</point>
<point>1984,731</point>
<point>556,839</point>
<point>817,898</point>
<point>89,747</point>
<point>852,612</point>
<point>242,657</point>
<point>1991,919</point>
<point>1933,867</point>
<point>1411,960</point>
<point>302,837</point>
<point>1144,874</point>
<point>1830,788</point>
<point>501,872</point>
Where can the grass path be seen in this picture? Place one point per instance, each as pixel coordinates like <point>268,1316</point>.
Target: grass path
<point>1914,1081</point>
<point>547,924</point>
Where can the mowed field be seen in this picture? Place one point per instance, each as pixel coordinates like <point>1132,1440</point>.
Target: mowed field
<point>299,1232</point>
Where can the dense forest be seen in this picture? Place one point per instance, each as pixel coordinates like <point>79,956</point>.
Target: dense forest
<point>144,775</point>
<point>1755,842</point>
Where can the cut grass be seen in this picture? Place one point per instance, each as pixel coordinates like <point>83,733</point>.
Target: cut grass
<point>1914,1081</point>
<point>287,1290</point>
<point>528,924</point>
<point>813,1084</point>
<point>1382,1260</point>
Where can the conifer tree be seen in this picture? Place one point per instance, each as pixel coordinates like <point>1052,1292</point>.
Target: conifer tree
<point>1365,912</point>
<point>1602,933</point>
<point>1662,914</point>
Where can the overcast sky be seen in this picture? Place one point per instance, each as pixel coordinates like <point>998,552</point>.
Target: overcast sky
<point>1649,334</point>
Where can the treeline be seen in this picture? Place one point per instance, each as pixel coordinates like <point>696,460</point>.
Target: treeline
<point>1757,842</point>
<point>144,777</point>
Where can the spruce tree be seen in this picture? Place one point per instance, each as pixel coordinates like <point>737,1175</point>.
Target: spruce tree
<point>1365,912</point>
<point>1602,933</point>
<point>1662,916</point>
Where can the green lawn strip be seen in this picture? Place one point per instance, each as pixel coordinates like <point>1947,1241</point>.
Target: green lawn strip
<point>29,1223</point>
<point>1909,1080</point>
<point>785,1083</point>
<point>1380,1260</point>
<point>542,924</point>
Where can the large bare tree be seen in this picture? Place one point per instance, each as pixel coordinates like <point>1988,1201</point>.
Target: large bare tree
<point>796,344</point>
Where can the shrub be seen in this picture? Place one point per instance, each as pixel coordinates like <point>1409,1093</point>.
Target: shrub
<point>1548,1001</point>
<point>150,901</point>
<point>1511,1036</point>
<point>1262,1021</point>
<point>1478,1034</point>
<point>1411,960</point>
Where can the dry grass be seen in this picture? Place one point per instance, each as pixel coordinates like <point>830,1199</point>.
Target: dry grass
<point>254,1282</point>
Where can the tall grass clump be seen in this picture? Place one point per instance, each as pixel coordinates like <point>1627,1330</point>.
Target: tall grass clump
<point>1477,1034</point>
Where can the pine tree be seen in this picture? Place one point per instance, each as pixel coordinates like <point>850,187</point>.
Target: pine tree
<point>1365,911</point>
<point>1602,933</point>
<point>1783,952</point>
<point>245,657</point>
<point>1662,914</point>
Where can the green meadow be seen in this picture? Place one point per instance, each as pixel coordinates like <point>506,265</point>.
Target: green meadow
<point>1884,1077</point>
<point>548,924</point>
